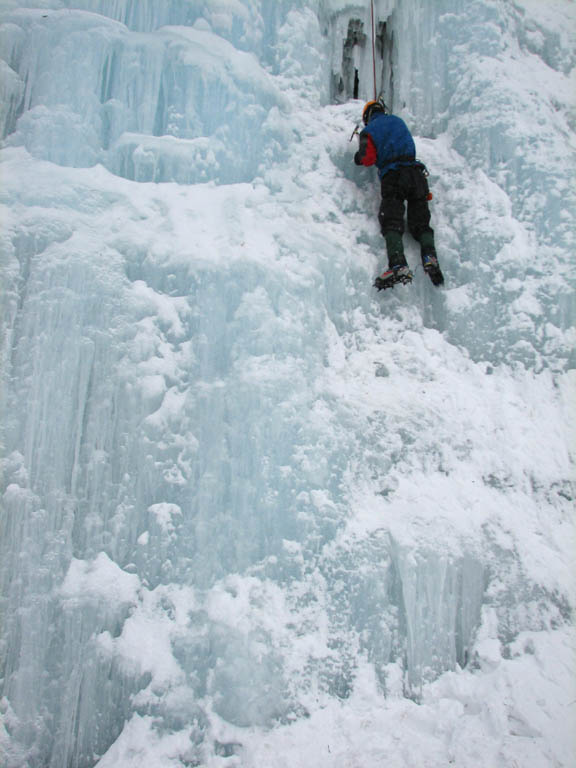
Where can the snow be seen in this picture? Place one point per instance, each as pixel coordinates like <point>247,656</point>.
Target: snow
<point>253,513</point>
<point>101,579</point>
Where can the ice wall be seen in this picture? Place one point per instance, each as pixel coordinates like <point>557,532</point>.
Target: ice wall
<point>155,105</point>
<point>233,481</point>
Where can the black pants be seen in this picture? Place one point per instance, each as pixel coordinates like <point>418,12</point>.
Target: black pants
<point>407,183</point>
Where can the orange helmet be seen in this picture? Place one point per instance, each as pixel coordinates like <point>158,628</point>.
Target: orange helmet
<point>372,108</point>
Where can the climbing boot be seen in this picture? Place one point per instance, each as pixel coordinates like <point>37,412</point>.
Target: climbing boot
<point>392,276</point>
<point>432,268</point>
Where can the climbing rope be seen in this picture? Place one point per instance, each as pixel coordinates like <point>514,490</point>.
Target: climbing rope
<point>373,48</point>
<point>356,131</point>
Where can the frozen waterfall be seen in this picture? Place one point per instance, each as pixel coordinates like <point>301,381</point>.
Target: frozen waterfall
<point>253,513</point>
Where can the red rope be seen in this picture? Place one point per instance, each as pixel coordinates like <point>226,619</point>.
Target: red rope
<point>373,48</point>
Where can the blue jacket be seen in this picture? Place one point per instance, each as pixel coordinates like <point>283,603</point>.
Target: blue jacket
<point>387,142</point>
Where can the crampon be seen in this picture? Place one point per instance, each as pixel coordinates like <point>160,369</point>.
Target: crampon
<point>389,278</point>
<point>432,269</point>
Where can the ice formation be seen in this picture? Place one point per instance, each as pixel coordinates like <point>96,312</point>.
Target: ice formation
<point>254,514</point>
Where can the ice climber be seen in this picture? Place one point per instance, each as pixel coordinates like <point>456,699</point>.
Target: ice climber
<point>387,143</point>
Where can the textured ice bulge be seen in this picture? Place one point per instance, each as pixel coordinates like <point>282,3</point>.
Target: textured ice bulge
<point>254,514</point>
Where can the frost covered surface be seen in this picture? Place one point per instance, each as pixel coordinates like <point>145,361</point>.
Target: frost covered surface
<point>254,514</point>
